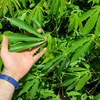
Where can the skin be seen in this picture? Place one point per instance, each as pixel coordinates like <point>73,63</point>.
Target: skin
<point>16,65</point>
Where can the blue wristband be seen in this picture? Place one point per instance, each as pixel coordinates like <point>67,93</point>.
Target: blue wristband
<point>10,80</point>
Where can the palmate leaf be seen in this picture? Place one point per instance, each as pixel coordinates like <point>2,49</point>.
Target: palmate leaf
<point>90,23</point>
<point>23,25</point>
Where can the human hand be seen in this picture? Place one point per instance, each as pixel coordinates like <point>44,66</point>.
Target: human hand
<point>17,65</point>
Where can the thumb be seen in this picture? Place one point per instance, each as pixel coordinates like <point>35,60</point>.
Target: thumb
<point>4,45</point>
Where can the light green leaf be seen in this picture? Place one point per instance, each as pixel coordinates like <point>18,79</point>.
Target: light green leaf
<point>76,44</point>
<point>86,65</point>
<point>62,7</point>
<point>71,24</point>
<point>97,97</point>
<point>23,25</point>
<point>34,89</point>
<point>90,23</point>
<point>97,30</point>
<point>15,37</point>
<point>0,25</point>
<point>87,14</point>
<point>73,93</point>
<point>84,97</point>
<point>82,81</point>
<point>10,7</point>
<point>23,3</point>
<point>77,69</point>
<point>26,87</point>
<point>47,93</point>
<point>23,46</point>
<point>80,52</point>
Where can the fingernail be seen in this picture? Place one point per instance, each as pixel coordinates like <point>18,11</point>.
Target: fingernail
<point>45,49</point>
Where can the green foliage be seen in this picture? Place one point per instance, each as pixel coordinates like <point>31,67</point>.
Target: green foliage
<point>70,30</point>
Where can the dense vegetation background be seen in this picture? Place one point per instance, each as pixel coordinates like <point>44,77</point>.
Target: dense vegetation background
<point>70,69</point>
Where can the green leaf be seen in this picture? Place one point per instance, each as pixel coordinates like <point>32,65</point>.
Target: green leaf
<point>80,52</point>
<point>73,93</point>
<point>23,25</point>
<point>56,7</point>
<point>23,3</point>
<point>63,65</point>
<point>97,97</point>
<point>34,89</point>
<point>84,97</point>
<point>23,16</point>
<point>51,62</point>
<point>10,7</point>
<point>69,81</point>
<point>87,14</point>
<point>76,44</point>
<point>77,69</point>
<point>71,86</point>
<point>97,30</point>
<point>47,93</point>
<point>48,58</point>
<point>23,46</point>
<point>0,25</point>
<point>62,7</point>
<point>82,81</point>
<point>15,37</point>
<point>86,65</point>
<point>71,24</point>
<point>26,87</point>
<point>35,21</point>
<point>90,23</point>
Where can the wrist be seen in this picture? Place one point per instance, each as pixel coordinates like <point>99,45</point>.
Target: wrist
<point>11,74</point>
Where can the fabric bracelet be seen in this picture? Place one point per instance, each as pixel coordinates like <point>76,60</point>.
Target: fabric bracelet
<point>10,80</point>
